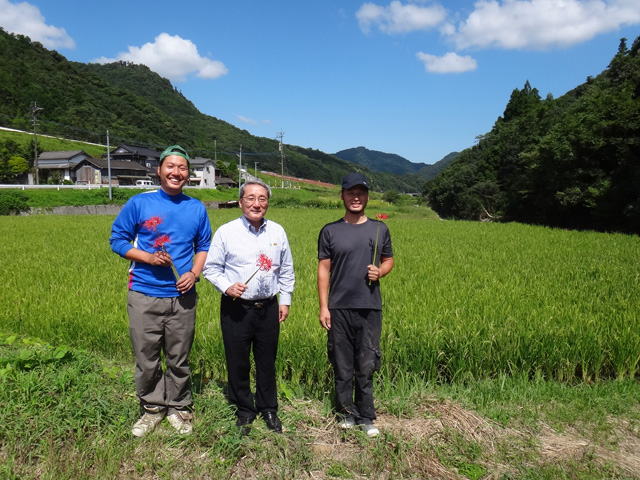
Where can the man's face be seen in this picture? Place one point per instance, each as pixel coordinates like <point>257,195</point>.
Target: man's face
<point>254,203</point>
<point>174,174</point>
<point>355,198</point>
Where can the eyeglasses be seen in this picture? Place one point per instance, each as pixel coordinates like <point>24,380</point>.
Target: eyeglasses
<point>252,200</point>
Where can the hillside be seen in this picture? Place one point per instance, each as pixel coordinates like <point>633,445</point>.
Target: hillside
<point>392,163</point>
<point>138,106</point>
<point>570,162</point>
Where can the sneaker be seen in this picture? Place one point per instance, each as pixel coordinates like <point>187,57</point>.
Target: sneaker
<point>370,429</point>
<point>181,421</point>
<point>347,422</point>
<point>147,423</point>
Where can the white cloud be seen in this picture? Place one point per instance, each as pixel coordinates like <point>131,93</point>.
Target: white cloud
<point>542,24</point>
<point>244,119</point>
<point>399,18</point>
<point>449,63</point>
<point>26,19</point>
<point>172,57</point>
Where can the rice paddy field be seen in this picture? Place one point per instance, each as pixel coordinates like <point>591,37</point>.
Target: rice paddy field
<point>466,303</point>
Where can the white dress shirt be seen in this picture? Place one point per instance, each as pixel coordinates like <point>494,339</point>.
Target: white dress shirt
<point>234,255</point>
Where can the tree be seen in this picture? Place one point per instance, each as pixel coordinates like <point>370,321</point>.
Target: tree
<point>16,166</point>
<point>390,196</point>
<point>222,168</point>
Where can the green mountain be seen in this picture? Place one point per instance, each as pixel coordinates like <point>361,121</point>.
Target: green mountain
<point>392,163</point>
<point>570,162</point>
<point>139,107</point>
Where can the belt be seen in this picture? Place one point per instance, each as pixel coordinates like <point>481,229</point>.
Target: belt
<point>258,303</point>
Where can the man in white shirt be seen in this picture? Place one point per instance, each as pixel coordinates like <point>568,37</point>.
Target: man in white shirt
<point>250,263</point>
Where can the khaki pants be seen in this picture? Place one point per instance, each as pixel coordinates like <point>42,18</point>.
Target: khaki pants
<point>159,325</point>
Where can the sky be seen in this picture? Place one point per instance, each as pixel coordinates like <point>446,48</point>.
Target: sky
<point>419,79</point>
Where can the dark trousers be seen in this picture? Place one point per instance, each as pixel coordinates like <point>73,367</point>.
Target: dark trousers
<point>162,325</point>
<point>243,328</point>
<point>354,352</point>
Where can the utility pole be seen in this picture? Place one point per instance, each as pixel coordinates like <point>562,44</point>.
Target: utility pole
<point>256,169</point>
<point>280,135</point>
<point>215,161</point>
<point>109,166</point>
<point>34,112</point>
<point>240,169</point>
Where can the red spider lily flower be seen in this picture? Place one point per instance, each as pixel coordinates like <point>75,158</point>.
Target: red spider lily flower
<point>152,224</point>
<point>381,216</point>
<point>161,241</point>
<point>264,263</point>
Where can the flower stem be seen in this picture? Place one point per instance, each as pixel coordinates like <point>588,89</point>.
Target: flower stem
<point>375,249</point>
<point>173,267</point>
<point>248,280</point>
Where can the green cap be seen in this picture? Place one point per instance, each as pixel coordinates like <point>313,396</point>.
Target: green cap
<point>175,150</point>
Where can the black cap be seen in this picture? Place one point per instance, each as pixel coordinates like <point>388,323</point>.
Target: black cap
<point>353,179</point>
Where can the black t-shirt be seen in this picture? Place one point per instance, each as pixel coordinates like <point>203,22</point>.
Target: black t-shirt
<point>350,248</point>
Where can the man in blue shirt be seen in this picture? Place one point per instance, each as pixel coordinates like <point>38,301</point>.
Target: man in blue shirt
<point>166,235</point>
<point>250,263</point>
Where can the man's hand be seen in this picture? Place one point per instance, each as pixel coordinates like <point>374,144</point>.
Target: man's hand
<point>236,290</point>
<point>373,273</point>
<point>186,282</point>
<point>325,319</point>
<point>159,259</point>
<point>283,313</point>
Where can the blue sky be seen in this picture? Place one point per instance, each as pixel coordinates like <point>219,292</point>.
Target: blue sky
<point>416,78</point>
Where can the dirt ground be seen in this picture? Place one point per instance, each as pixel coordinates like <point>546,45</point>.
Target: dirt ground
<point>435,427</point>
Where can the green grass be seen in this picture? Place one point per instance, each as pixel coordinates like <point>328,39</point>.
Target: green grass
<point>47,144</point>
<point>528,328</point>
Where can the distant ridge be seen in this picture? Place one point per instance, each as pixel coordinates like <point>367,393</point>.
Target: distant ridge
<point>392,163</point>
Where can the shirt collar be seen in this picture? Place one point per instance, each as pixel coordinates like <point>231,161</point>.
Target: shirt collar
<point>250,227</point>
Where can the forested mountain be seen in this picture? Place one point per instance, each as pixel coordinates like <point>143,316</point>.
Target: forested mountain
<point>138,106</point>
<point>392,163</point>
<point>571,162</point>
<point>379,161</point>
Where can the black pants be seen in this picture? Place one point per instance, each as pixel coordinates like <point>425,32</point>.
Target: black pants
<point>243,328</point>
<point>354,352</point>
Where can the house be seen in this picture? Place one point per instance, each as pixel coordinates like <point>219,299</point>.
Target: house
<point>146,157</point>
<point>226,182</point>
<point>62,162</point>
<point>95,171</point>
<point>204,173</point>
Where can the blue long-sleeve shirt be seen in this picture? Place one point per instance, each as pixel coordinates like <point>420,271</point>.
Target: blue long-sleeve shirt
<point>153,218</point>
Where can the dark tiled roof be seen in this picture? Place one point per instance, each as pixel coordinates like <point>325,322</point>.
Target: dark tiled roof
<point>201,161</point>
<point>60,155</point>
<point>135,149</point>
<point>225,181</point>
<point>115,164</point>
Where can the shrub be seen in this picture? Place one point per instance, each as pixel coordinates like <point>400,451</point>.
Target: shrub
<point>12,202</point>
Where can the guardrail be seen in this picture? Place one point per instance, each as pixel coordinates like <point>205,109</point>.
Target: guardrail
<point>82,187</point>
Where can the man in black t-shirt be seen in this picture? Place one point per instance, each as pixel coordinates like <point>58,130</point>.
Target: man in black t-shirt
<point>353,254</point>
